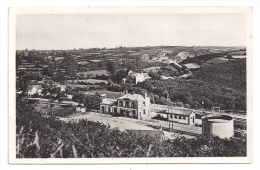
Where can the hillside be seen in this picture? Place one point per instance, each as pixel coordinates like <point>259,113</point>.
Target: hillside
<point>231,74</point>
<point>221,85</point>
<point>183,56</point>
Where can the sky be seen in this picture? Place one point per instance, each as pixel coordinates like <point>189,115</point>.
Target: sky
<point>69,31</point>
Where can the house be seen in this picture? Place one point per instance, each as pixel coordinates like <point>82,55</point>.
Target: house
<point>33,90</point>
<point>47,58</point>
<point>181,115</point>
<point>80,108</point>
<point>62,87</point>
<point>129,105</point>
<point>137,77</point>
<point>162,54</point>
<point>145,57</point>
<point>104,94</point>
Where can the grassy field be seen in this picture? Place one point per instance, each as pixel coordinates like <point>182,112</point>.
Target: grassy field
<point>217,60</point>
<point>90,81</point>
<point>147,70</point>
<point>83,62</point>
<point>239,56</point>
<point>153,52</point>
<point>94,60</point>
<point>238,53</point>
<point>77,85</point>
<point>192,65</point>
<point>94,73</point>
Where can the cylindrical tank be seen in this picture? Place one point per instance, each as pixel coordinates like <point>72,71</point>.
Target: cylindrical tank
<point>220,125</point>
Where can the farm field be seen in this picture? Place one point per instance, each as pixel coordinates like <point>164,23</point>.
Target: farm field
<point>83,62</point>
<point>238,56</point>
<point>238,53</point>
<point>95,60</point>
<point>147,70</point>
<point>90,81</point>
<point>94,73</point>
<point>215,61</point>
<point>192,65</point>
<point>153,52</point>
<point>77,85</point>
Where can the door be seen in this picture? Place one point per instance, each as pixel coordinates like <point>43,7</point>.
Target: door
<point>193,119</point>
<point>103,109</point>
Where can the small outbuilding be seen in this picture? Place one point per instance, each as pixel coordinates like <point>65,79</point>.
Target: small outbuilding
<point>181,115</point>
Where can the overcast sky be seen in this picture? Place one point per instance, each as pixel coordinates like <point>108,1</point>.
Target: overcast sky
<point>47,32</point>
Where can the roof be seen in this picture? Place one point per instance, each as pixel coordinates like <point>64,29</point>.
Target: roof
<point>180,111</point>
<point>108,101</point>
<point>132,97</point>
<point>146,75</point>
<point>31,87</point>
<point>109,94</point>
<point>135,74</point>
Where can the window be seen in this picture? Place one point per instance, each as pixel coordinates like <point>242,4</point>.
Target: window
<point>133,104</point>
<point>144,111</point>
<point>179,117</point>
<point>170,115</point>
<point>184,117</point>
<point>175,116</point>
<point>126,104</point>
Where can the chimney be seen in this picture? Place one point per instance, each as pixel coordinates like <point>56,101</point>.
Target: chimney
<point>145,95</point>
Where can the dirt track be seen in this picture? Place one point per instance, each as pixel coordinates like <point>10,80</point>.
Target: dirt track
<point>123,123</point>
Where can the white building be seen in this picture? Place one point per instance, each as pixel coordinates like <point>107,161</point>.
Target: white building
<point>137,77</point>
<point>34,89</point>
<point>130,105</point>
<point>181,115</point>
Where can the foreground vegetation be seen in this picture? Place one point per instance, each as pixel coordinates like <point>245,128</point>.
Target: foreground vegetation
<point>49,137</point>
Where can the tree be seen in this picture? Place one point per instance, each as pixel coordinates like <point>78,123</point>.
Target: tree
<point>154,76</point>
<point>59,77</point>
<point>229,56</point>
<point>187,106</point>
<point>120,74</point>
<point>111,67</point>
<point>110,82</point>
<point>99,65</point>
<point>54,94</point>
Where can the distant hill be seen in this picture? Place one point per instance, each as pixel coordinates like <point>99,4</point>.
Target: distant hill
<point>183,56</point>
